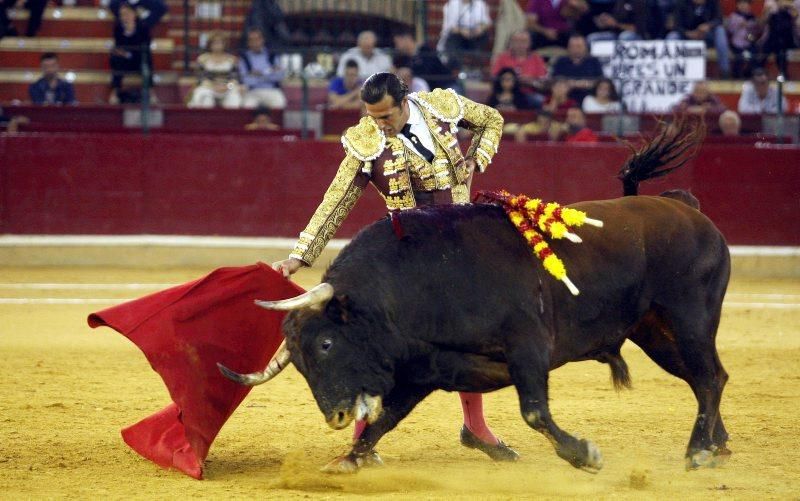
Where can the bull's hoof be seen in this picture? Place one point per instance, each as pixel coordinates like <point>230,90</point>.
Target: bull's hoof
<point>705,458</point>
<point>585,455</point>
<point>498,452</point>
<point>351,463</point>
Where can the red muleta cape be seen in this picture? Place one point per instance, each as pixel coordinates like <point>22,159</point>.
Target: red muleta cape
<point>184,331</point>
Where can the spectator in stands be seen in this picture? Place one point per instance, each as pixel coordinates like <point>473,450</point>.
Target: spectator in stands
<point>425,63</point>
<point>131,53</point>
<point>730,125</point>
<point>700,100</point>
<point>743,31</point>
<point>574,129</point>
<point>268,17</point>
<point>465,27</point>
<point>580,69</point>
<point>12,123</point>
<point>218,82</point>
<point>559,100</point>
<point>507,93</point>
<point>344,92</point>
<point>551,22</point>
<point>528,65</point>
<point>626,20</point>
<point>35,12</point>
<point>260,74</point>
<point>50,89</point>
<point>702,20</point>
<point>370,59</point>
<point>402,68</point>
<point>149,12</point>
<point>262,121</point>
<point>758,96</point>
<point>603,98</point>
<point>781,32</point>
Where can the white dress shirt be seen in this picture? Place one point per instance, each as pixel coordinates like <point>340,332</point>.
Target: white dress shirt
<point>420,129</point>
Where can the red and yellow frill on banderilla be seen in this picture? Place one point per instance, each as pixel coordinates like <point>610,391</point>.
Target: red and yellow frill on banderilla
<point>530,215</point>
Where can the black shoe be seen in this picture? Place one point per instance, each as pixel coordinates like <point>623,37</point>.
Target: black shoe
<point>499,452</point>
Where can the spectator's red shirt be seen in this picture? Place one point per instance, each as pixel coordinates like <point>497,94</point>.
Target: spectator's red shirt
<point>585,135</point>
<point>549,16</point>
<point>532,66</point>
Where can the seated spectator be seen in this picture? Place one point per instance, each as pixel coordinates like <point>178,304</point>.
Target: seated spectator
<point>700,100</point>
<point>425,63</point>
<point>260,74</point>
<point>580,69</point>
<point>131,51</point>
<point>50,89</point>
<point>402,68</point>
<point>268,17</point>
<point>507,94</point>
<point>262,121</point>
<point>730,125</point>
<point>603,98</point>
<point>12,123</point>
<point>743,31</point>
<point>370,59</point>
<point>625,20</point>
<point>465,26</point>
<point>574,129</point>
<point>702,20</point>
<point>559,100</point>
<point>218,82</point>
<point>35,11</point>
<point>781,32</point>
<point>344,92</point>
<point>550,23</point>
<point>528,65</point>
<point>758,96</point>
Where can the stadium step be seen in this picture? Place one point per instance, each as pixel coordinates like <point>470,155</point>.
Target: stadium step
<point>77,22</point>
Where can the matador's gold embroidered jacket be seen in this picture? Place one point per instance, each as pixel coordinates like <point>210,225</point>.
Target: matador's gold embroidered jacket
<point>403,178</point>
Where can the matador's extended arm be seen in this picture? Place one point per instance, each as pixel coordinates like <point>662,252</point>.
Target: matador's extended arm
<point>340,198</point>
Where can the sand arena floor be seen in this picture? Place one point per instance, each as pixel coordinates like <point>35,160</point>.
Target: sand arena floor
<point>66,390</point>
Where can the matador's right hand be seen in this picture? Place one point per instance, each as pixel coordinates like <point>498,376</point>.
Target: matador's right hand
<point>287,267</point>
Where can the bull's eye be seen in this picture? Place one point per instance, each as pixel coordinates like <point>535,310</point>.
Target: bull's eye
<point>325,345</point>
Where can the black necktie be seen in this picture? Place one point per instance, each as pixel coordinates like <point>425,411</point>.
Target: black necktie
<point>425,152</point>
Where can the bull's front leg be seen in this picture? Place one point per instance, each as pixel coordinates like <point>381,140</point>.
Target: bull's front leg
<point>528,365</point>
<point>396,406</point>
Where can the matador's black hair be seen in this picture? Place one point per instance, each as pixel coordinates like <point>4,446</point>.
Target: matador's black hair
<point>381,84</point>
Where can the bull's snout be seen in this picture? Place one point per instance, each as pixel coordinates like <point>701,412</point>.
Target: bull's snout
<point>340,417</point>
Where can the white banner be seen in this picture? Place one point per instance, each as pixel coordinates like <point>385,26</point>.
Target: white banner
<point>652,75</point>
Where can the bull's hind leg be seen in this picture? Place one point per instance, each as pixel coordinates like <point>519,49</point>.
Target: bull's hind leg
<point>529,367</point>
<point>683,344</point>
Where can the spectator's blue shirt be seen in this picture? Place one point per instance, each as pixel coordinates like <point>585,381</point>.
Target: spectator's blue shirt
<point>258,72</point>
<point>589,68</point>
<point>337,86</point>
<point>41,92</point>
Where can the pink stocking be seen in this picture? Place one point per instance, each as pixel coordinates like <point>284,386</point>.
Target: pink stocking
<point>358,429</point>
<point>472,405</point>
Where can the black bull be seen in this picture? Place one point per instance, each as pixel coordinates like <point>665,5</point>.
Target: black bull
<point>458,302</point>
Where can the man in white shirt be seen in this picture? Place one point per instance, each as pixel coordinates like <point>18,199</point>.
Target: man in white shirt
<point>465,26</point>
<point>759,97</point>
<point>370,59</point>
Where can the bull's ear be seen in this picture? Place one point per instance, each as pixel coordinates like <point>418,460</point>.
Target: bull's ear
<point>338,309</point>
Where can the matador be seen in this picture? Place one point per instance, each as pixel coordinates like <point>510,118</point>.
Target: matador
<point>407,147</point>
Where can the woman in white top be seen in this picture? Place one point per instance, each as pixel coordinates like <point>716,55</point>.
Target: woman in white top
<point>465,26</point>
<point>603,98</point>
<point>218,84</point>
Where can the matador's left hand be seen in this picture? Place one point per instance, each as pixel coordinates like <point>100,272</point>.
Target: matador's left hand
<point>471,164</point>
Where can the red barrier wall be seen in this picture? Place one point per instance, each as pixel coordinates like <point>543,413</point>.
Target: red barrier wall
<point>241,185</point>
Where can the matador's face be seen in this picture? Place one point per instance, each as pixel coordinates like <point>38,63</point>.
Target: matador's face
<point>390,116</point>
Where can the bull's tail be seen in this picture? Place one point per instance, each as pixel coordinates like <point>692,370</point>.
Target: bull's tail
<point>673,146</point>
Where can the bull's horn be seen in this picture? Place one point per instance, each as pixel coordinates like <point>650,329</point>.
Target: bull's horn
<point>277,364</point>
<point>316,296</point>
